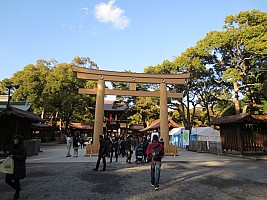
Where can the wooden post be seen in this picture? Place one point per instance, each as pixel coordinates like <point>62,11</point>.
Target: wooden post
<point>99,111</point>
<point>164,126</point>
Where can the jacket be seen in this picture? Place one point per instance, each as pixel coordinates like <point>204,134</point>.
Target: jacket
<point>19,155</point>
<point>103,149</point>
<point>151,146</point>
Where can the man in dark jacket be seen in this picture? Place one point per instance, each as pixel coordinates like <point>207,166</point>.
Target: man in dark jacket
<point>19,154</point>
<point>155,160</point>
<point>114,148</point>
<point>128,147</point>
<point>102,153</point>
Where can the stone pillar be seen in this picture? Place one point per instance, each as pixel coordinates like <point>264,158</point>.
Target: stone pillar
<point>99,111</point>
<point>164,126</point>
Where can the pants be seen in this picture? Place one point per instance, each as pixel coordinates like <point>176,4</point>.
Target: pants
<point>68,151</point>
<point>155,173</point>
<point>15,184</point>
<point>98,162</point>
<point>129,156</point>
<point>116,155</point>
<point>75,149</point>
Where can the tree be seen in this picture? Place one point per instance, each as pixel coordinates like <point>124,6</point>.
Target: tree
<point>32,81</point>
<point>64,102</point>
<point>84,62</point>
<point>240,51</point>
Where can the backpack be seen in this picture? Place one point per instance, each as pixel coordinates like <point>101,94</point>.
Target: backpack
<point>156,154</point>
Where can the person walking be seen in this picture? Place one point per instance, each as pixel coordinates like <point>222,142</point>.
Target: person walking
<point>144,146</point>
<point>129,147</point>
<point>103,150</point>
<point>75,141</point>
<point>69,144</point>
<point>114,148</point>
<point>155,151</point>
<point>122,147</point>
<point>19,154</point>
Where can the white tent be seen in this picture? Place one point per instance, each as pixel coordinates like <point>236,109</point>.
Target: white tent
<point>176,131</point>
<point>206,134</point>
<point>202,133</point>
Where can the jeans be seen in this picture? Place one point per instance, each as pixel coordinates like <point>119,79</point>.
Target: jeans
<point>116,155</point>
<point>155,173</point>
<point>98,162</point>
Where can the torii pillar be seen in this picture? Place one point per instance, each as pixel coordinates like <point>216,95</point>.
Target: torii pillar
<point>164,126</point>
<point>99,115</point>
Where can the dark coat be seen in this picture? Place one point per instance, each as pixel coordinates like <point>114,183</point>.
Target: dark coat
<point>128,144</point>
<point>103,149</point>
<point>19,155</point>
<point>75,141</point>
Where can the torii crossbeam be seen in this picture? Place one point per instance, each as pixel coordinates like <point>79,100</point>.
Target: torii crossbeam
<point>132,78</point>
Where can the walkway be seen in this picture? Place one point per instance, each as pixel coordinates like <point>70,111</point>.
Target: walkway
<point>191,175</point>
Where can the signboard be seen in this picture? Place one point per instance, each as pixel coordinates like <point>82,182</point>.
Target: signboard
<point>186,137</point>
<point>123,125</point>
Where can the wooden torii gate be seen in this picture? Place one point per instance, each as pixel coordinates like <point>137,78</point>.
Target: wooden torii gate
<point>101,76</point>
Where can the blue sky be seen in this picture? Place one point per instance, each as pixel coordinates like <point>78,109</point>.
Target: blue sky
<point>118,35</point>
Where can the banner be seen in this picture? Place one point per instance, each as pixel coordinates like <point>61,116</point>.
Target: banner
<point>185,137</point>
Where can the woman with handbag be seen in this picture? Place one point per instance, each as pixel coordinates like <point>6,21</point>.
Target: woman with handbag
<point>19,154</point>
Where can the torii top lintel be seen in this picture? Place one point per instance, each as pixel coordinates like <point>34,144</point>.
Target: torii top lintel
<point>92,74</point>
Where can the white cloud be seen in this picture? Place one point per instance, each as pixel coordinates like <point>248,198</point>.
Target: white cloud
<point>85,10</point>
<point>110,13</point>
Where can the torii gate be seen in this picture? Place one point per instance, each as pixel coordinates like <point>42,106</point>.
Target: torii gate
<point>101,76</point>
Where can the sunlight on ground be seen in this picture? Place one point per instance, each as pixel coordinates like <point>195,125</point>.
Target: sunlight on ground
<point>213,163</point>
<point>136,168</point>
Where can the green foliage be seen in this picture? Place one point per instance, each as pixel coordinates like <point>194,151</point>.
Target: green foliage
<point>264,107</point>
<point>51,89</point>
<point>147,110</point>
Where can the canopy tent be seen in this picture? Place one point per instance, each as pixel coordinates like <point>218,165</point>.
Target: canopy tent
<point>176,131</point>
<point>206,134</point>
<point>199,133</point>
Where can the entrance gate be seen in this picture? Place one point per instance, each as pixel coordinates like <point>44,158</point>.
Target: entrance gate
<point>132,78</point>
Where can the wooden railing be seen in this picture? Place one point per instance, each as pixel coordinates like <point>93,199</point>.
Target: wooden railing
<point>170,150</point>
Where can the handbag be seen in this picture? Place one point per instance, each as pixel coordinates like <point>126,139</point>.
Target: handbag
<point>7,165</point>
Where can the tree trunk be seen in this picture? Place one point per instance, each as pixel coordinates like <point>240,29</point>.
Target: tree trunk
<point>236,101</point>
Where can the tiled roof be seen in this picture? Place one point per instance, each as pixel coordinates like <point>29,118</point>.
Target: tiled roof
<point>136,127</point>
<point>82,126</point>
<point>156,124</point>
<point>21,114</point>
<point>241,118</point>
<point>20,105</point>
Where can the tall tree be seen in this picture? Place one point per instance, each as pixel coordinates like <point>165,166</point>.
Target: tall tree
<point>240,52</point>
<point>32,81</point>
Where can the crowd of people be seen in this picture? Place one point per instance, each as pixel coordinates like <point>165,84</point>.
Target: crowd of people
<point>115,146</point>
<point>153,152</point>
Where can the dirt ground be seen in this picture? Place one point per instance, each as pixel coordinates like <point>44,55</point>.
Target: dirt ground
<point>227,180</point>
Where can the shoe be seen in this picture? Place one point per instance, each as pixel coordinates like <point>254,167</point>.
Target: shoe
<point>103,170</point>
<point>16,195</point>
<point>95,169</point>
<point>152,185</point>
<point>68,156</point>
<point>156,188</point>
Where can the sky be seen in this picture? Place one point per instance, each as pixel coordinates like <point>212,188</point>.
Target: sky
<point>117,35</point>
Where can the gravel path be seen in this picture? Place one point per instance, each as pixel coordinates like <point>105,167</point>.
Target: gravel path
<point>225,179</point>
